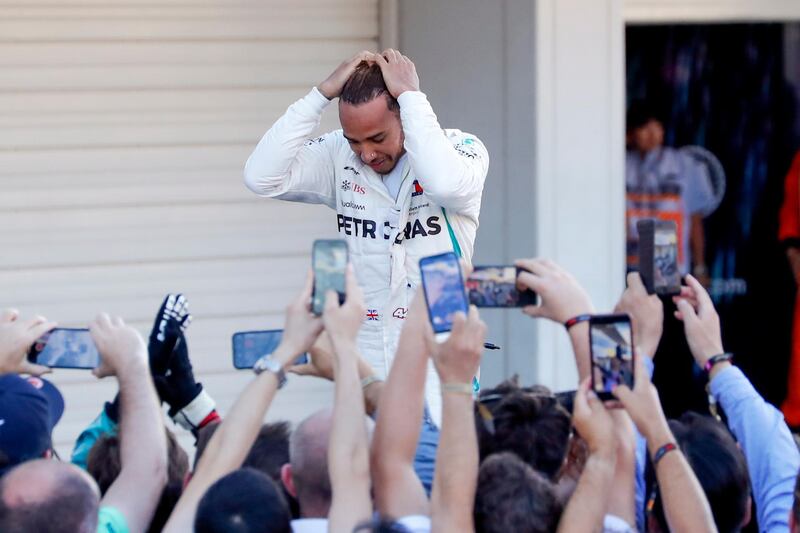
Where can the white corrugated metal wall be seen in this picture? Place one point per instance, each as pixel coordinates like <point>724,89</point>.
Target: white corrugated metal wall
<point>124,127</point>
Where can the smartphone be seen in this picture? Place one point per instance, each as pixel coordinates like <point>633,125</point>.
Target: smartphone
<point>329,261</point>
<point>65,348</point>
<point>250,346</point>
<point>496,286</point>
<point>443,287</point>
<point>658,256</point>
<point>611,341</point>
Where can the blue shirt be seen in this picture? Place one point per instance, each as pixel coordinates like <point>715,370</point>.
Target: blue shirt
<point>769,449</point>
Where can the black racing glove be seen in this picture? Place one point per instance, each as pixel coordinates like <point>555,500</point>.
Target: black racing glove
<point>171,320</point>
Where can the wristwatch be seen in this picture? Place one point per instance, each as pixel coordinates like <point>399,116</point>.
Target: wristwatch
<point>268,364</point>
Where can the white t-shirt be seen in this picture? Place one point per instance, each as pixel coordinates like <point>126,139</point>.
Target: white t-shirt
<point>310,525</point>
<point>416,523</point>
<point>394,179</point>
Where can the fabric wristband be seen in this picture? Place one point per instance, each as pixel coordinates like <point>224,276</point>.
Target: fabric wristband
<point>720,358</point>
<point>664,450</point>
<point>576,320</point>
<point>458,388</point>
<point>369,380</point>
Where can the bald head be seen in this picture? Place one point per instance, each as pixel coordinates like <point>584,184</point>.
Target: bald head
<point>48,496</point>
<point>308,455</point>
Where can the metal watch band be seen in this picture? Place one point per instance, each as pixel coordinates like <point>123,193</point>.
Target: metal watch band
<point>268,364</point>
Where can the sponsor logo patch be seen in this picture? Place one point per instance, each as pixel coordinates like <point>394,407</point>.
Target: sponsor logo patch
<point>400,313</point>
<point>355,187</point>
<point>417,189</point>
<point>352,205</point>
<point>366,228</point>
<point>351,169</point>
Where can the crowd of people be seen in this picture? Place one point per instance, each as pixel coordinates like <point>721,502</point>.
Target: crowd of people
<point>511,458</point>
<point>407,445</point>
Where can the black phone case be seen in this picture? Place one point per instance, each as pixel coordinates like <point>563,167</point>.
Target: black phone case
<point>647,247</point>
<point>610,319</point>
<point>526,297</point>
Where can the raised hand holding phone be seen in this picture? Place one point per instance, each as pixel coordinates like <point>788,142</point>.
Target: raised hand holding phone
<point>342,321</point>
<point>329,260</point>
<point>646,312</point>
<point>458,358</point>
<point>611,342</point>
<point>16,338</point>
<point>302,326</point>
<point>561,296</point>
<point>121,347</point>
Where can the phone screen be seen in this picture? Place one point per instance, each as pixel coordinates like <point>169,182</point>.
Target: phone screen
<point>611,340</point>
<point>444,289</point>
<point>65,348</point>
<point>250,346</point>
<point>496,286</point>
<point>666,275</point>
<point>329,260</point>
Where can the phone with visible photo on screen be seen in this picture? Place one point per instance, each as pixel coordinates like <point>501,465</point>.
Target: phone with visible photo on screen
<point>329,262</point>
<point>250,346</point>
<point>65,348</point>
<point>611,341</point>
<point>658,256</point>
<point>496,286</point>
<point>443,287</point>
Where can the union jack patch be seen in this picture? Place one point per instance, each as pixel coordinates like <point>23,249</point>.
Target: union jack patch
<point>372,314</point>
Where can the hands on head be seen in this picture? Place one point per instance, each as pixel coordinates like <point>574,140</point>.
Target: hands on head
<point>16,338</point>
<point>399,73</point>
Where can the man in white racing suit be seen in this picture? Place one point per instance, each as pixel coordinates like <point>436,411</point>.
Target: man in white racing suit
<point>402,187</point>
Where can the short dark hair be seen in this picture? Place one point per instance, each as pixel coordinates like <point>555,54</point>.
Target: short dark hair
<point>512,496</point>
<point>365,84</point>
<point>529,422</point>
<point>380,525</point>
<point>104,465</point>
<point>719,466</point>
<point>72,506</point>
<point>640,113</point>
<point>244,501</point>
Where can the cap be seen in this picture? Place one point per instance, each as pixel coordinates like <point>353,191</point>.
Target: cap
<point>29,410</point>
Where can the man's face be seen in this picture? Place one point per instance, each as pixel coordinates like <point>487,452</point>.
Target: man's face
<point>648,137</point>
<point>374,133</point>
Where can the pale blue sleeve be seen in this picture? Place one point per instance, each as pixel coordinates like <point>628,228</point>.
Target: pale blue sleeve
<point>768,446</point>
<point>697,193</point>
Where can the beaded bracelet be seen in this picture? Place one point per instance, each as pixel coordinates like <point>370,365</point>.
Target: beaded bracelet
<point>576,320</point>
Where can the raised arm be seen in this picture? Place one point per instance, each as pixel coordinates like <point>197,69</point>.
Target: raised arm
<point>685,505</point>
<point>457,361</point>
<point>143,442</point>
<point>587,506</point>
<point>769,449</point>
<point>230,444</point>
<point>398,490</point>
<point>287,164</point>
<point>348,451</point>
<point>451,169</point>
<point>561,298</point>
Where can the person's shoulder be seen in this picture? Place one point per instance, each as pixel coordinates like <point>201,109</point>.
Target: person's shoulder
<point>466,144</point>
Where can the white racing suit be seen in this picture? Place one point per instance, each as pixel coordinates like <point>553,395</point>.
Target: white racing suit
<point>436,209</point>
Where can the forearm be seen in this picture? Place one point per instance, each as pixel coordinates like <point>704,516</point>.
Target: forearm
<point>143,449</point>
<point>272,160</point>
<point>623,487</point>
<point>685,505</point>
<point>372,392</point>
<point>450,178</point>
<point>579,337</point>
<point>456,466</point>
<point>348,454</point>
<point>227,448</point>
<point>768,446</point>
<point>588,504</point>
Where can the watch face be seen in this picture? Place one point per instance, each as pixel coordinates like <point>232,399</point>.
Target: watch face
<point>268,364</point>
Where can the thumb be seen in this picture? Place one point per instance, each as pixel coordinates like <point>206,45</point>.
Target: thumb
<point>34,369</point>
<point>687,312</point>
<point>624,394</point>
